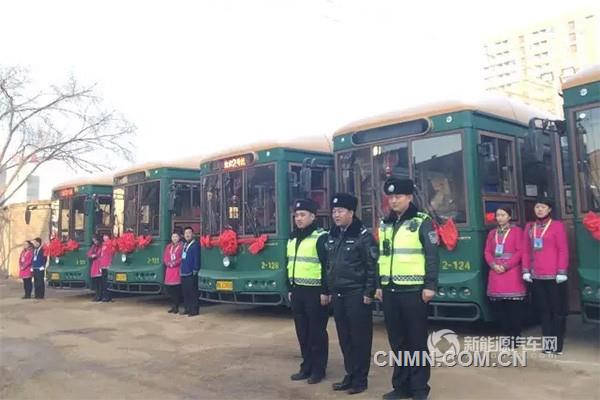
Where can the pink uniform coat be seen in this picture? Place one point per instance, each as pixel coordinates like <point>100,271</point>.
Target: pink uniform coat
<point>106,254</point>
<point>25,260</point>
<point>93,255</point>
<point>553,258</point>
<point>172,260</point>
<point>510,283</point>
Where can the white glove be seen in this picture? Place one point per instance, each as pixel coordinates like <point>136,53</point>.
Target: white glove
<point>41,268</point>
<point>560,278</point>
<point>527,277</point>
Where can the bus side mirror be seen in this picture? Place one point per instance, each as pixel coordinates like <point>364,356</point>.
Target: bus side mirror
<point>88,204</point>
<point>292,186</point>
<point>172,199</point>
<point>27,216</point>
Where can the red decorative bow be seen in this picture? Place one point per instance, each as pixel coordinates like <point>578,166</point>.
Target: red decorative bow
<point>591,222</point>
<point>448,234</point>
<point>54,248</point>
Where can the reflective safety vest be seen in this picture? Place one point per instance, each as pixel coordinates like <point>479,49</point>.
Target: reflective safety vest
<point>404,263</point>
<point>304,267</point>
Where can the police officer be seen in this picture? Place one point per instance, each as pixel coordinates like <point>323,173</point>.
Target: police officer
<point>352,278</point>
<point>408,274</point>
<point>309,296</point>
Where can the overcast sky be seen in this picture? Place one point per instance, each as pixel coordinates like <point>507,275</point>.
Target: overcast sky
<point>199,76</point>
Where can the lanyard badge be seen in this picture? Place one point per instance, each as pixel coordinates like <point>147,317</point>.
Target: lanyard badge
<point>499,251</point>
<point>538,242</point>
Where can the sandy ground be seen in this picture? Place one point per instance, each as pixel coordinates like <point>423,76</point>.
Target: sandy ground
<point>67,347</point>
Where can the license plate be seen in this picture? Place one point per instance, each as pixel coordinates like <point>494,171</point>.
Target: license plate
<point>121,277</point>
<point>55,276</point>
<point>225,285</point>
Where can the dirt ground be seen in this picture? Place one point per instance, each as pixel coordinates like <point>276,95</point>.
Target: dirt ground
<point>67,347</point>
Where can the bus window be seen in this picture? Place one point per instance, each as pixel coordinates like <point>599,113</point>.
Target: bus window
<point>131,209</point>
<point>64,221</point>
<point>54,218</point>
<point>490,207</point>
<point>587,125</point>
<point>538,176</point>
<point>211,205</point>
<point>567,172</point>
<point>356,178</point>
<point>438,171</point>
<point>149,206</point>
<point>232,186</point>
<point>102,214</point>
<point>497,166</point>
<point>187,200</point>
<point>260,200</point>
<point>79,218</point>
<point>389,160</point>
<point>118,211</point>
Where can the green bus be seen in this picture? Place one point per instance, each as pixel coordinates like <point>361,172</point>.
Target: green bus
<point>250,191</point>
<point>79,209</point>
<point>151,200</point>
<point>466,159</point>
<point>581,94</point>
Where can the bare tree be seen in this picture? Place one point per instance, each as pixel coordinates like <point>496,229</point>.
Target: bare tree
<point>66,123</point>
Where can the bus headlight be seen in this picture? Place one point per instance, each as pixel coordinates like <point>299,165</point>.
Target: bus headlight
<point>56,260</point>
<point>587,291</point>
<point>466,292</point>
<point>226,262</point>
<point>123,257</point>
<point>452,292</point>
<point>441,292</point>
<point>249,284</point>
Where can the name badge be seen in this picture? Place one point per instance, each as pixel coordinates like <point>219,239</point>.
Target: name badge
<point>499,250</point>
<point>538,243</point>
<point>173,257</point>
<point>183,255</point>
<point>35,258</point>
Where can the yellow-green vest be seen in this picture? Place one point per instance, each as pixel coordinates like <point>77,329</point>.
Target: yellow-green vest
<point>304,267</point>
<point>405,264</point>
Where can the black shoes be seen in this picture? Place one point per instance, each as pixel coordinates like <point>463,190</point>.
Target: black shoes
<point>396,395</point>
<point>314,380</point>
<point>345,384</point>
<point>299,376</point>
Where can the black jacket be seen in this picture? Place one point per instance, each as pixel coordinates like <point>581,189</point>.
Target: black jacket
<point>429,240</point>
<point>300,235</point>
<point>352,260</point>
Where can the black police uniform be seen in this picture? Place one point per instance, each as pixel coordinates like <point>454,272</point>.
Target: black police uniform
<point>310,317</point>
<point>404,310</point>
<point>352,274</point>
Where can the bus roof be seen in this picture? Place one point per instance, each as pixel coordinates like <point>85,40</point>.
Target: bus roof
<point>500,106</point>
<point>183,163</point>
<point>101,180</point>
<point>319,144</point>
<point>586,75</point>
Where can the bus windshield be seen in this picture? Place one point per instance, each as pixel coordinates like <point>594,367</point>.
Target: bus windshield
<point>587,136</point>
<point>435,164</point>
<point>243,200</point>
<point>140,208</point>
<point>70,218</point>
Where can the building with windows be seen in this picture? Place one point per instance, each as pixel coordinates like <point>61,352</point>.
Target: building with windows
<point>530,62</point>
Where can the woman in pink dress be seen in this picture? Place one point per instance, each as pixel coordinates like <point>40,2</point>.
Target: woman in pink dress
<point>506,289</point>
<point>25,260</point>
<point>172,260</point>
<point>105,261</point>
<point>93,256</point>
<point>545,265</point>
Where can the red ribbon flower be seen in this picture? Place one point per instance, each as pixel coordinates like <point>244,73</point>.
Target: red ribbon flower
<point>54,248</point>
<point>143,241</point>
<point>228,242</point>
<point>591,222</point>
<point>70,246</point>
<point>258,244</point>
<point>448,234</point>
<point>127,243</point>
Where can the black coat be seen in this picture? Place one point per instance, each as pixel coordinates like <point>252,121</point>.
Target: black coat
<point>352,260</point>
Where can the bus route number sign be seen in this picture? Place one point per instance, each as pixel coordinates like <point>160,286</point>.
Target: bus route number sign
<point>269,265</point>
<point>456,265</point>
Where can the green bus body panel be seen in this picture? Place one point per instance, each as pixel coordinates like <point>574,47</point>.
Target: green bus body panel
<point>73,268</point>
<point>588,249</point>
<point>145,266</point>
<point>464,267</point>
<point>267,270</point>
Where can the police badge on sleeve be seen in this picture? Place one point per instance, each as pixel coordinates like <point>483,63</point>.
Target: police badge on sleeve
<point>434,238</point>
